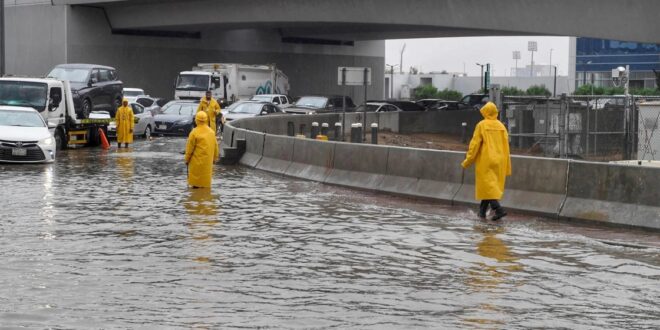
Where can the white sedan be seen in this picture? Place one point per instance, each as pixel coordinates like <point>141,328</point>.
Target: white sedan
<point>144,122</point>
<point>24,136</point>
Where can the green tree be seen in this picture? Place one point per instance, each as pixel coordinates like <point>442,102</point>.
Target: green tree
<point>512,91</point>
<point>614,91</point>
<point>589,89</point>
<point>538,90</point>
<point>646,92</point>
<point>449,95</point>
<point>426,92</point>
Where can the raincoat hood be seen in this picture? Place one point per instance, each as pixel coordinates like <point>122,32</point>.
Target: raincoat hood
<point>489,111</point>
<point>201,118</point>
<point>124,102</point>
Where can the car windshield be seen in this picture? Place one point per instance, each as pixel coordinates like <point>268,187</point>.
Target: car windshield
<point>24,94</point>
<point>21,119</point>
<point>184,109</point>
<point>129,93</point>
<point>70,74</point>
<point>312,102</point>
<point>264,98</point>
<point>193,82</point>
<point>249,108</point>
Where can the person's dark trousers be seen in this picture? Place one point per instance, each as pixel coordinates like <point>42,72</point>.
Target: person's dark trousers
<point>494,205</point>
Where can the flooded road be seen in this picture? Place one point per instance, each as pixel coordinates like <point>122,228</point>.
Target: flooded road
<point>115,240</point>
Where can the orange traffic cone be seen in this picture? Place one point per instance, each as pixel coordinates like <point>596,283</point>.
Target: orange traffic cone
<point>104,141</point>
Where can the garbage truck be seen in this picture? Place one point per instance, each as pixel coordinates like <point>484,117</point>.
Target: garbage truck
<point>230,82</point>
<point>53,99</point>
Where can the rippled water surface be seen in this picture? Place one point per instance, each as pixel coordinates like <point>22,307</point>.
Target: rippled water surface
<point>115,240</point>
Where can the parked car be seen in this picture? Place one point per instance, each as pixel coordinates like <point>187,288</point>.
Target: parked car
<point>247,109</point>
<point>378,107</point>
<point>131,94</point>
<point>24,136</point>
<point>143,127</point>
<point>429,103</point>
<point>403,105</point>
<point>280,100</point>
<point>468,102</point>
<point>177,118</point>
<point>320,104</point>
<point>149,103</point>
<point>95,87</point>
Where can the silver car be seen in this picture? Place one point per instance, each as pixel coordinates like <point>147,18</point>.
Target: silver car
<point>144,122</point>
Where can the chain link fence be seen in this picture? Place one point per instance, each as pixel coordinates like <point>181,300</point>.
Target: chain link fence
<point>601,128</point>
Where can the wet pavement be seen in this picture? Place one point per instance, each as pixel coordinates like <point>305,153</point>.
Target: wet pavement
<point>115,240</point>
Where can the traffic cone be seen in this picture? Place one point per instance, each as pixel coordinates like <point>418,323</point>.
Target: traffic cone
<point>104,141</point>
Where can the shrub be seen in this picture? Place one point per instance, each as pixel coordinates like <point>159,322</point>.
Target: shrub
<point>449,95</point>
<point>426,92</point>
<point>538,90</point>
<point>512,91</point>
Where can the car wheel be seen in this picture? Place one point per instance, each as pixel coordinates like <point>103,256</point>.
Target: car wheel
<point>86,108</point>
<point>147,132</point>
<point>60,141</point>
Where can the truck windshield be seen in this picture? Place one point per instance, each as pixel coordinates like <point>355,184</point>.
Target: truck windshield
<point>70,74</point>
<point>193,82</point>
<point>21,118</point>
<point>312,102</point>
<point>24,94</point>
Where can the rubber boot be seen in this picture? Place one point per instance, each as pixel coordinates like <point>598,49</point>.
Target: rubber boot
<point>118,145</point>
<point>483,208</point>
<point>499,214</point>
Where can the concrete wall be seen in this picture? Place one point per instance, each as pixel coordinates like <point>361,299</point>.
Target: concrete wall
<point>612,194</point>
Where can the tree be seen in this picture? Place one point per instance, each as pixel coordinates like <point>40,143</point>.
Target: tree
<point>449,95</point>
<point>538,90</point>
<point>512,91</point>
<point>589,89</point>
<point>426,92</point>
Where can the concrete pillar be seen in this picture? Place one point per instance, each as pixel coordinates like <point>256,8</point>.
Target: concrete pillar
<point>356,133</point>
<point>338,131</point>
<point>324,129</point>
<point>374,133</point>
<point>314,131</point>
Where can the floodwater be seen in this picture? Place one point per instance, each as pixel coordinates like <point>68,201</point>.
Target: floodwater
<point>115,240</point>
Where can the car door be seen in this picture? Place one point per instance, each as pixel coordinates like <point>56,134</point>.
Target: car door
<point>107,89</point>
<point>138,112</point>
<point>94,91</point>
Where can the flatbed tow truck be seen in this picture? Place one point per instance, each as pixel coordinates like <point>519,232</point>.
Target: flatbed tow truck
<point>53,99</point>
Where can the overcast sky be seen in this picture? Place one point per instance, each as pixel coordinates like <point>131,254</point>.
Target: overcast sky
<point>453,54</point>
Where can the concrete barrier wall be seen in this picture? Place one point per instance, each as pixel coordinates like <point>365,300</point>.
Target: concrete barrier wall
<point>254,148</point>
<point>443,122</point>
<point>621,194</point>
<point>613,194</point>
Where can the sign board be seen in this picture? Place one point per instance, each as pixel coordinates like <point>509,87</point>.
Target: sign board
<point>516,54</point>
<point>354,76</point>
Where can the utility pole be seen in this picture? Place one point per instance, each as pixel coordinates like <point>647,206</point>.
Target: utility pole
<point>550,61</point>
<point>2,38</point>
<point>516,57</point>
<point>392,66</point>
<point>481,86</point>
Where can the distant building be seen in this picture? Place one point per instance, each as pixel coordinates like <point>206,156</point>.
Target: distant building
<point>594,60</point>
<point>540,70</point>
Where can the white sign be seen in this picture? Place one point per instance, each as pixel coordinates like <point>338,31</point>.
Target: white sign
<point>532,46</point>
<point>354,76</point>
<point>516,54</point>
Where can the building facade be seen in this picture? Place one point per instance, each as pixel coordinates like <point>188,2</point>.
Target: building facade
<point>595,59</point>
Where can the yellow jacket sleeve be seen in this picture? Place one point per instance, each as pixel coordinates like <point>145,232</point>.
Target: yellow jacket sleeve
<point>216,156</point>
<point>190,146</point>
<point>507,154</point>
<point>473,150</point>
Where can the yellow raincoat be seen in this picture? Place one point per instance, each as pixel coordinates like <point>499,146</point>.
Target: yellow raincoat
<point>212,110</point>
<point>201,152</point>
<point>489,149</point>
<point>125,124</point>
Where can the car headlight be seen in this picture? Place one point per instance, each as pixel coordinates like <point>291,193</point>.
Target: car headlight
<point>47,141</point>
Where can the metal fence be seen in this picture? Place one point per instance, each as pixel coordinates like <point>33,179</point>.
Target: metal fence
<point>584,127</point>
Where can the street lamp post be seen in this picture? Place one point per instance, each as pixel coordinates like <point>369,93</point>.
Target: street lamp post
<point>2,38</point>
<point>516,57</point>
<point>392,66</point>
<point>482,75</point>
<point>551,61</point>
<point>532,46</point>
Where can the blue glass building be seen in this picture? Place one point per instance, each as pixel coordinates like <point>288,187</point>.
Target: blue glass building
<point>595,59</point>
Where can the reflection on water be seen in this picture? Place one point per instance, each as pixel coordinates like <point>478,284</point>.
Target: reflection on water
<point>116,239</point>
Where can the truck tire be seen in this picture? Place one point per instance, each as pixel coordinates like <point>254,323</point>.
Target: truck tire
<point>86,108</point>
<point>60,140</point>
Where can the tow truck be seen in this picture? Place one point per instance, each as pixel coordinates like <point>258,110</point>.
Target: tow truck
<point>53,99</point>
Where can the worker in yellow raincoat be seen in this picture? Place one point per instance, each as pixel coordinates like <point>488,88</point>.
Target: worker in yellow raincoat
<point>201,153</point>
<point>212,109</point>
<point>489,150</point>
<point>125,124</point>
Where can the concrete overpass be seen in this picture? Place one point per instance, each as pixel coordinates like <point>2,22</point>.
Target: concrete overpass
<point>151,40</point>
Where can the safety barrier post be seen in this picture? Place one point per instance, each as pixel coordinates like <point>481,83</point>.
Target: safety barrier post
<point>338,131</point>
<point>464,132</point>
<point>374,133</point>
<point>356,133</point>
<point>324,129</point>
<point>314,131</point>
<point>290,129</point>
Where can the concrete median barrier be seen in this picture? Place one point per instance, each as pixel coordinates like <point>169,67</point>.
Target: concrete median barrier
<point>441,175</point>
<point>359,165</point>
<point>616,194</point>
<point>404,167</point>
<point>254,149</point>
<point>277,154</point>
<point>312,160</point>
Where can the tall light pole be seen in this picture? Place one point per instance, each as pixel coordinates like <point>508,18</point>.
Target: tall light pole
<point>392,66</point>
<point>401,59</point>
<point>551,61</point>
<point>532,46</point>
<point>516,57</point>
<point>481,86</point>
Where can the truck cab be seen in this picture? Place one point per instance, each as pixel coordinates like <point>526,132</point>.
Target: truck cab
<point>192,85</point>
